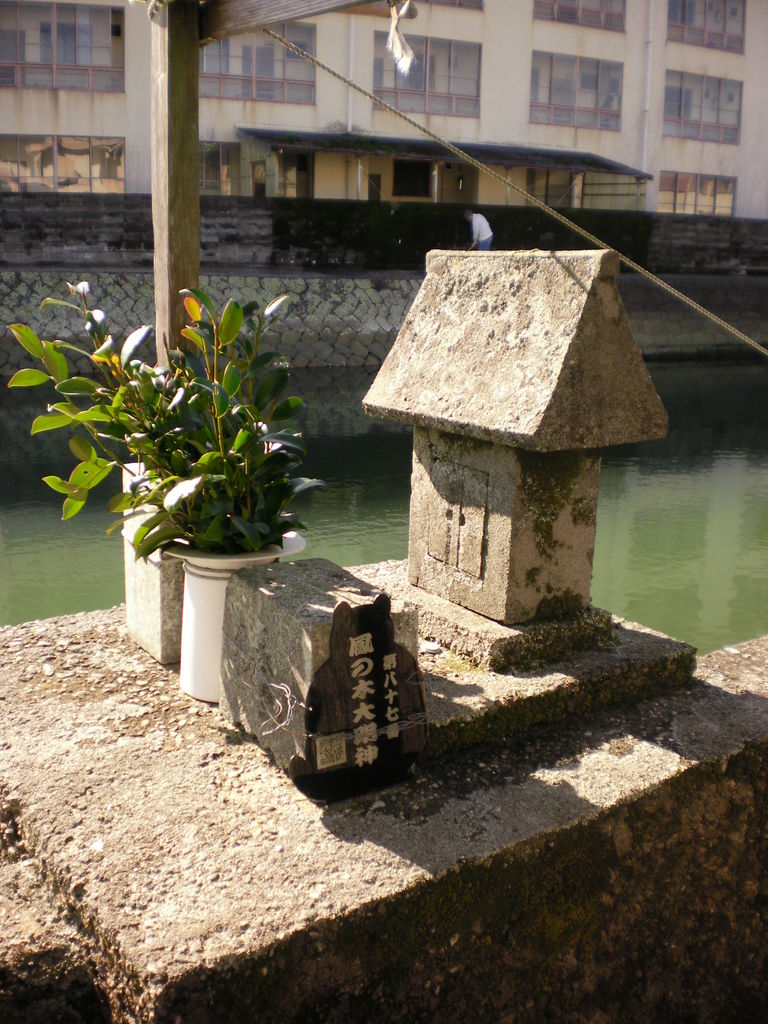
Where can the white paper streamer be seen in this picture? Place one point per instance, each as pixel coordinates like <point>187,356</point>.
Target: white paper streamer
<point>401,52</point>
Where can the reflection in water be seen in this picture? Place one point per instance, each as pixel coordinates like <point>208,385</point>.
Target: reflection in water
<point>682,532</point>
<point>682,526</point>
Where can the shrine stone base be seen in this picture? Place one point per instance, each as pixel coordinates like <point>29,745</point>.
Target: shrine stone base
<point>611,869</point>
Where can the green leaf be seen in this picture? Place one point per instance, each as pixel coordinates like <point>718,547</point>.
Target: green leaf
<point>76,386</point>
<point>60,302</point>
<point>67,408</point>
<point>231,379</point>
<point>62,486</point>
<point>28,378</point>
<point>73,348</point>
<point>112,432</point>
<point>270,387</point>
<point>203,300</point>
<point>87,475</point>
<point>220,399</point>
<point>179,462</point>
<point>303,483</point>
<point>286,440</point>
<point>193,308</point>
<point>242,439</point>
<point>157,539</point>
<point>194,336</point>
<point>177,399</point>
<point>147,525</point>
<point>82,449</point>
<point>71,507</point>
<point>50,421</point>
<point>27,338</point>
<point>54,361</point>
<point>211,461</point>
<point>105,351</point>
<point>274,305</point>
<point>96,324</point>
<point>93,415</point>
<point>214,532</point>
<point>120,502</point>
<point>255,532</point>
<point>181,491</point>
<point>287,408</point>
<point>132,342</point>
<point>117,524</point>
<point>231,322</point>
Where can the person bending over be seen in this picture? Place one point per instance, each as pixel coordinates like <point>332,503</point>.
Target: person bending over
<point>482,235</point>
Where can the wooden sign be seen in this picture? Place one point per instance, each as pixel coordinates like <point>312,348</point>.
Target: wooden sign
<point>366,706</point>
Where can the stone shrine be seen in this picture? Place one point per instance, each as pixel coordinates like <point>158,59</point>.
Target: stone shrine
<point>515,369</point>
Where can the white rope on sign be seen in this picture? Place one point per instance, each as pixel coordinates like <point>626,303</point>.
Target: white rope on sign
<point>491,173</point>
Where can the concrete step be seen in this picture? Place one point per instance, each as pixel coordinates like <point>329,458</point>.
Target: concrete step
<point>487,682</point>
<point>610,870</point>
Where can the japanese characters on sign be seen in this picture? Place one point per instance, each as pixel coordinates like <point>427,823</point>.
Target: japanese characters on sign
<point>366,705</point>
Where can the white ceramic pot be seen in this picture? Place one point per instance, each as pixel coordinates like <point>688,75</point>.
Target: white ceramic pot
<point>205,588</point>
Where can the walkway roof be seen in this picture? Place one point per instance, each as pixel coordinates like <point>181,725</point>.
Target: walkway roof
<point>489,153</point>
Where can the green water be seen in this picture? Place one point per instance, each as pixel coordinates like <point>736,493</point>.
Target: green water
<point>682,531</point>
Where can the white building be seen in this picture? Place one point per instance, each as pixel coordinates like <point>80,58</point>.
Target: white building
<point>631,104</point>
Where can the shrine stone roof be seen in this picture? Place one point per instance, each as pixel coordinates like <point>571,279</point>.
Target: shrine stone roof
<point>528,348</point>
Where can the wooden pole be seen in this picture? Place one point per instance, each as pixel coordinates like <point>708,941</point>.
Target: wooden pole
<point>175,164</point>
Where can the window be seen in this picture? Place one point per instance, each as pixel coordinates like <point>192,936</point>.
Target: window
<point>554,187</point>
<point>412,178</point>
<point>594,13</point>
<point>715,23</point>
<point>575,91</point>
<point>696,193</point>
<point>61,46</point>
<point>219,168</point>
<point>255,67</point>
<point>63,163</point>
<point>698,107</point>
<point>444,77</point>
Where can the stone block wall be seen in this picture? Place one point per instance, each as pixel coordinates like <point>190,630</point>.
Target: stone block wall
<point>337,320</point>
<point>330,321</point>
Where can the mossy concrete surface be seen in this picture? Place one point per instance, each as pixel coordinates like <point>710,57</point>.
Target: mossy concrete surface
<point>483,641</point>
<point>612,870</point>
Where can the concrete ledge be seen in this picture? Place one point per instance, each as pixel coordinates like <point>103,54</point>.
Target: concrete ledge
<point>470,707</point>
<point>43,972</point>
<point>482,641</point>
<point>614,871</point>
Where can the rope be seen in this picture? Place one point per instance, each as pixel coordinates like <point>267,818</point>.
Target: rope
<point>548,210</point>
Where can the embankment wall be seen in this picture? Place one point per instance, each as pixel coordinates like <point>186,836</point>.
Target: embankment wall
<point>338,319</point>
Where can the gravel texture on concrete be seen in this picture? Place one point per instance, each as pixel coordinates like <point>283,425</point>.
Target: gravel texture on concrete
<point>192,868</point>
<point>44,976</point>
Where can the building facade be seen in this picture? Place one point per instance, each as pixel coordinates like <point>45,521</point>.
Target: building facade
<point>616,104</point>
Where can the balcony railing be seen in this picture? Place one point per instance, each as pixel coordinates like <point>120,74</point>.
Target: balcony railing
<point>242,87</point>
<point>414,101</point>
<point>576,13</point>
<point>706,131</point>
<point>571,116</point>
<point>61,76</point>
<point>716,39</point>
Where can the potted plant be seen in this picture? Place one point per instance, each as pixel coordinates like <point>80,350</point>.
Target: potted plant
<point>211,433</point>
